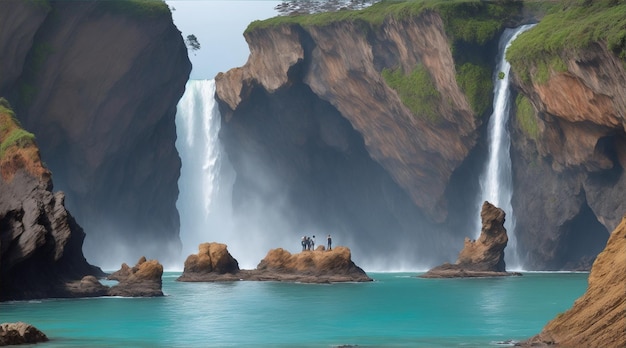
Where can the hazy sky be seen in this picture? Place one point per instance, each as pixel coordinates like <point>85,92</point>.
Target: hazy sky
<point>219,27</point>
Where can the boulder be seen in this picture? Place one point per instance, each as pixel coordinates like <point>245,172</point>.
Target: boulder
<point>598,317</point>
<point>20,333</point>
<point>143,280</point>
<point>483,257</point>
<point>212,262</point>
<point>89,286</point>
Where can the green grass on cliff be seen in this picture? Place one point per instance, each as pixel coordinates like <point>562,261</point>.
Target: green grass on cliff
<point>136,8</point>
<point>416,90</point>
<point>577,24</point>
<point>525,116</point>
<point>470,25</point>
<point>11,132</point>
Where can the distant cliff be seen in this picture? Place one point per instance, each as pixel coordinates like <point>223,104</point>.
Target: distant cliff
<point>40,242</point>
<point>372,123</point>
<point>98,83</point>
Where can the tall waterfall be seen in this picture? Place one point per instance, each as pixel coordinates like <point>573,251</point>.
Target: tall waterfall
<point>496,180</point>
<point>202,203</point>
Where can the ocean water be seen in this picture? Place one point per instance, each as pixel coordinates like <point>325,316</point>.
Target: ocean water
<point>396,310</point>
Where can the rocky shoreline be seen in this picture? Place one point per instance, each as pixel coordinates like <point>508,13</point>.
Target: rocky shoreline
<point>213,263</point>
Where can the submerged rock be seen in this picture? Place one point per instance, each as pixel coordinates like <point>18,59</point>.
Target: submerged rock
<point>483,257</point>
<point>20,333</point>
<point>214,263</point>
<point>598,318</point>
<point>143,280</point>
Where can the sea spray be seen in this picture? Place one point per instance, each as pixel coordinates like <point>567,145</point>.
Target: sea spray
<point>496,181</point>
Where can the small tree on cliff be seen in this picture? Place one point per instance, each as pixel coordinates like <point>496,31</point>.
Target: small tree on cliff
<point>192,42</point>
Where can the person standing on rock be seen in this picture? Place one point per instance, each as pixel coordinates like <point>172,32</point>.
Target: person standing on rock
<point>330,243</point>
<point>303,243</point>
<point>313,242</point>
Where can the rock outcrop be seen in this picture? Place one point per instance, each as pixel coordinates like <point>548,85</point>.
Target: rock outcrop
<point>40,242</point>
<point>20,333</point>
<point>98,82</point>
<point>142,280</point>
<point>214,263</point>
<point>598,318</point>
<point>483,257</point>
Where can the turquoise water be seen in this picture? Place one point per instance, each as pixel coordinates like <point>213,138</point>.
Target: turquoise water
<point>396,310</point>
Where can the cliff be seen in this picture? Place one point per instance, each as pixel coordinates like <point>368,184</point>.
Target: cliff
<point>569,136</point>
<point>598,318</point>
<point>323,116</point>
<point>373,123</point>
<point>98,82</point>
<point>40,242</point>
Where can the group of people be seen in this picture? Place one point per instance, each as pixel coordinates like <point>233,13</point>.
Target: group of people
<point>308,243</point>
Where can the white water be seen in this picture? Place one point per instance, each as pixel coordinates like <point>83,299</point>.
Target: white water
<point>197,127</point>
<point>496,181</point>
<point>206,183</point>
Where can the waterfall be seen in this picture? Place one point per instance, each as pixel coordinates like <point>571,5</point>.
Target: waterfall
<point>202,203</point>
<point>496,181</point>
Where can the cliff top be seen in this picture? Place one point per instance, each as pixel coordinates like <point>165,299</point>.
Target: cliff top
<point>570,26</point>
<point>17,147</point>
<point>471,21</point>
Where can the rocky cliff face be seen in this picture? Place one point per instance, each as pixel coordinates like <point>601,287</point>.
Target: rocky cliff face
<point>40,242</point>
<point>574,164</point>
<point>598,318</point>
<point>310,116</point>
<point>98,83</point>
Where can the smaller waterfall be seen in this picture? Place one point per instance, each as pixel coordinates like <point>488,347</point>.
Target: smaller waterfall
<point>496,182</point>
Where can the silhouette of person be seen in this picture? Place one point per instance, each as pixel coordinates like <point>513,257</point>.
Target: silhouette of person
<point>330,243</point>
<point>313,242</point>
<point>303,243</point>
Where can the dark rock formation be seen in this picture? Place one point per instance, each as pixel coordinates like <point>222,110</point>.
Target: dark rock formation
<point>142,280</point>
<point>98,82</point>
<point>40,242</point>
<point>598,318</point>
<point>20,333</point>
<point>214,263</point>
<point>483,257</point>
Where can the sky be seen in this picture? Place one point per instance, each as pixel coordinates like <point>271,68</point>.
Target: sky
<point>219,27</point>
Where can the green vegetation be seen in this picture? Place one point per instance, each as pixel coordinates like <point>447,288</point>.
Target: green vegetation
<point>136,8</point>
<point>525,116</point>
<point>576,24</point>
<point>416,90</point>
<point>11,133</point>
<point>477,88</point>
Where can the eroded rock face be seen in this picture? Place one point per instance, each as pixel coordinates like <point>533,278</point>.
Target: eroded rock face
<point>483,257</point>
<point>142,280</point>
<point>575,164</point>
<point>20,333</point>
<point>99,88</point>
<point>598,318</point>
<point>40,242</point>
